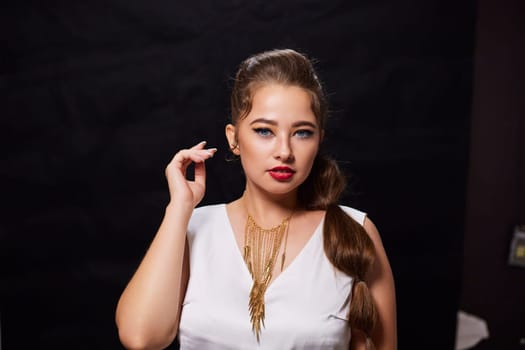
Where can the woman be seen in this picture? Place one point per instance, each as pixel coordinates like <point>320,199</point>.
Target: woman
<point>282,267</point>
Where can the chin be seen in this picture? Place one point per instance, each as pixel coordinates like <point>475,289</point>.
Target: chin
<point>284,187</point>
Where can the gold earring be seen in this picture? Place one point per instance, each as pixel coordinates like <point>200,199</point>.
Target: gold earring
<point>235,148</point>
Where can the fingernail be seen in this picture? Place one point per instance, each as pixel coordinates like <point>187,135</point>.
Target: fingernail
<point>202,142</point>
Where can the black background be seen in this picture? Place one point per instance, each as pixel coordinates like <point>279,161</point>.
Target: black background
<point>97,97</point>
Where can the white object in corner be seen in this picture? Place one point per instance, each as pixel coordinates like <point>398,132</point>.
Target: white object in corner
<point>470,331</point>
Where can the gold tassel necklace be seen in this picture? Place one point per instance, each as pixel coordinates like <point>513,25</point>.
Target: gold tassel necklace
<point>261,247</point>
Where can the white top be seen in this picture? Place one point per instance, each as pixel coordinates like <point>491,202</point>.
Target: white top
<point>306,305</point>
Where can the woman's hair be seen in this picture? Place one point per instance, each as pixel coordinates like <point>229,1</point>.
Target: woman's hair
<point>346,243</point>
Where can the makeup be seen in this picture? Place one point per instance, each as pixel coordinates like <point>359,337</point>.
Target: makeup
<point>281,173</point>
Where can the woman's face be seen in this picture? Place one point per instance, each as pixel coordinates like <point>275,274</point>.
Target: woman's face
<point>278,140</point>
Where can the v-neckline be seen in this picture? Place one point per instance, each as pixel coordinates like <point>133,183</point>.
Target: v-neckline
<point>241,261</point>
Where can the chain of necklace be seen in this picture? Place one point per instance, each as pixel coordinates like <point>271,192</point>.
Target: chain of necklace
<point>261,247</point>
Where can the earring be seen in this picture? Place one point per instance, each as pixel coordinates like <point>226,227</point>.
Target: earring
<point>235,148</point>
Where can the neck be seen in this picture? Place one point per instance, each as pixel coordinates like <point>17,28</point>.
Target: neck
<point>268,210</point>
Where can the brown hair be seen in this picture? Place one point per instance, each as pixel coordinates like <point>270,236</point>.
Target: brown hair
<point>346,243</point>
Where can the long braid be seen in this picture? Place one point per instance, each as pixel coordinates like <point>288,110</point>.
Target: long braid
<point>346,243</point>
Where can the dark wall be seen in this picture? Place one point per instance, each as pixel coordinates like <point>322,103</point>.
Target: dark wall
<point>492,289</point>
<point>98,96</point>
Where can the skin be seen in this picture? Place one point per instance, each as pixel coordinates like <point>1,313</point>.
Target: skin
<point>380,282</point>
<point>281,129</point>
<point>148,311</point>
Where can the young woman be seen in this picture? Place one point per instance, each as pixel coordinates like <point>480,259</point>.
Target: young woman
<point>282,267</point>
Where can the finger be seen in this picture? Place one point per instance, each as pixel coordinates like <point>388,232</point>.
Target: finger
<point>176,170</point>
<point>186,153</point>
<point>200,145</point>
<point>186,156</point>
<point>200,168</point>
<point>200,174</point>
<point>206,153</point>
<point>199,155</point>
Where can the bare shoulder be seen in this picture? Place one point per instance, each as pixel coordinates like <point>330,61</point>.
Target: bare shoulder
<point>372,231</point>
<point>381,255</point>
<point>382,287</point>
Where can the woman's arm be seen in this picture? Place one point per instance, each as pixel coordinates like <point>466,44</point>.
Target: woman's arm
<point>148,311</point>
<point>380,282</point>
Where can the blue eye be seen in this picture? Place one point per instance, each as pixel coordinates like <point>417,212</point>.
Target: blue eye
<point>305,133</point>
<point>264,132</point>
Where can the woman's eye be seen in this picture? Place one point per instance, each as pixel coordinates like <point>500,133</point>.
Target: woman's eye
<point>263,131</point>
<point>304,133</point>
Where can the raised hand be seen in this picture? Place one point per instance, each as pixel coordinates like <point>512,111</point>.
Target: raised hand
<point>182,190</point>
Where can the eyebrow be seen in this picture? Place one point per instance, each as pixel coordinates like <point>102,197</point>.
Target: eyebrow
<point>273,122</point>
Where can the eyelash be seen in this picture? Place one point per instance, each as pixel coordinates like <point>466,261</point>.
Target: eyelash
<point>306,133</point>
<point>266,132</point>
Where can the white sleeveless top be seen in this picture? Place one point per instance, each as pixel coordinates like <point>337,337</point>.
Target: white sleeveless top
<point>306,305</point>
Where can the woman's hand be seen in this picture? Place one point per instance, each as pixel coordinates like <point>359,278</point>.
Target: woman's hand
<point>148,311</point>
<point>181,189</point>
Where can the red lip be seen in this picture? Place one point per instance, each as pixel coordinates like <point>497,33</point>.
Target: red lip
<point>281,173</point>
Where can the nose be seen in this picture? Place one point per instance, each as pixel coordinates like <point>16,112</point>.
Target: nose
<point>283,150</point>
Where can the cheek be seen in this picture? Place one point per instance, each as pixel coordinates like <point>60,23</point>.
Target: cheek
<point>252,145</point>
<point>251,153</point>
<point>311,162</point>
<point>308,152</point>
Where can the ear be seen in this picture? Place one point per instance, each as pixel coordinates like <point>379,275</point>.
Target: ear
<point>321,136</point>
<point>232,139</point>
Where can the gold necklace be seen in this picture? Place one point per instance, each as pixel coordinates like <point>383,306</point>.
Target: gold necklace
<point>260,252</point>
